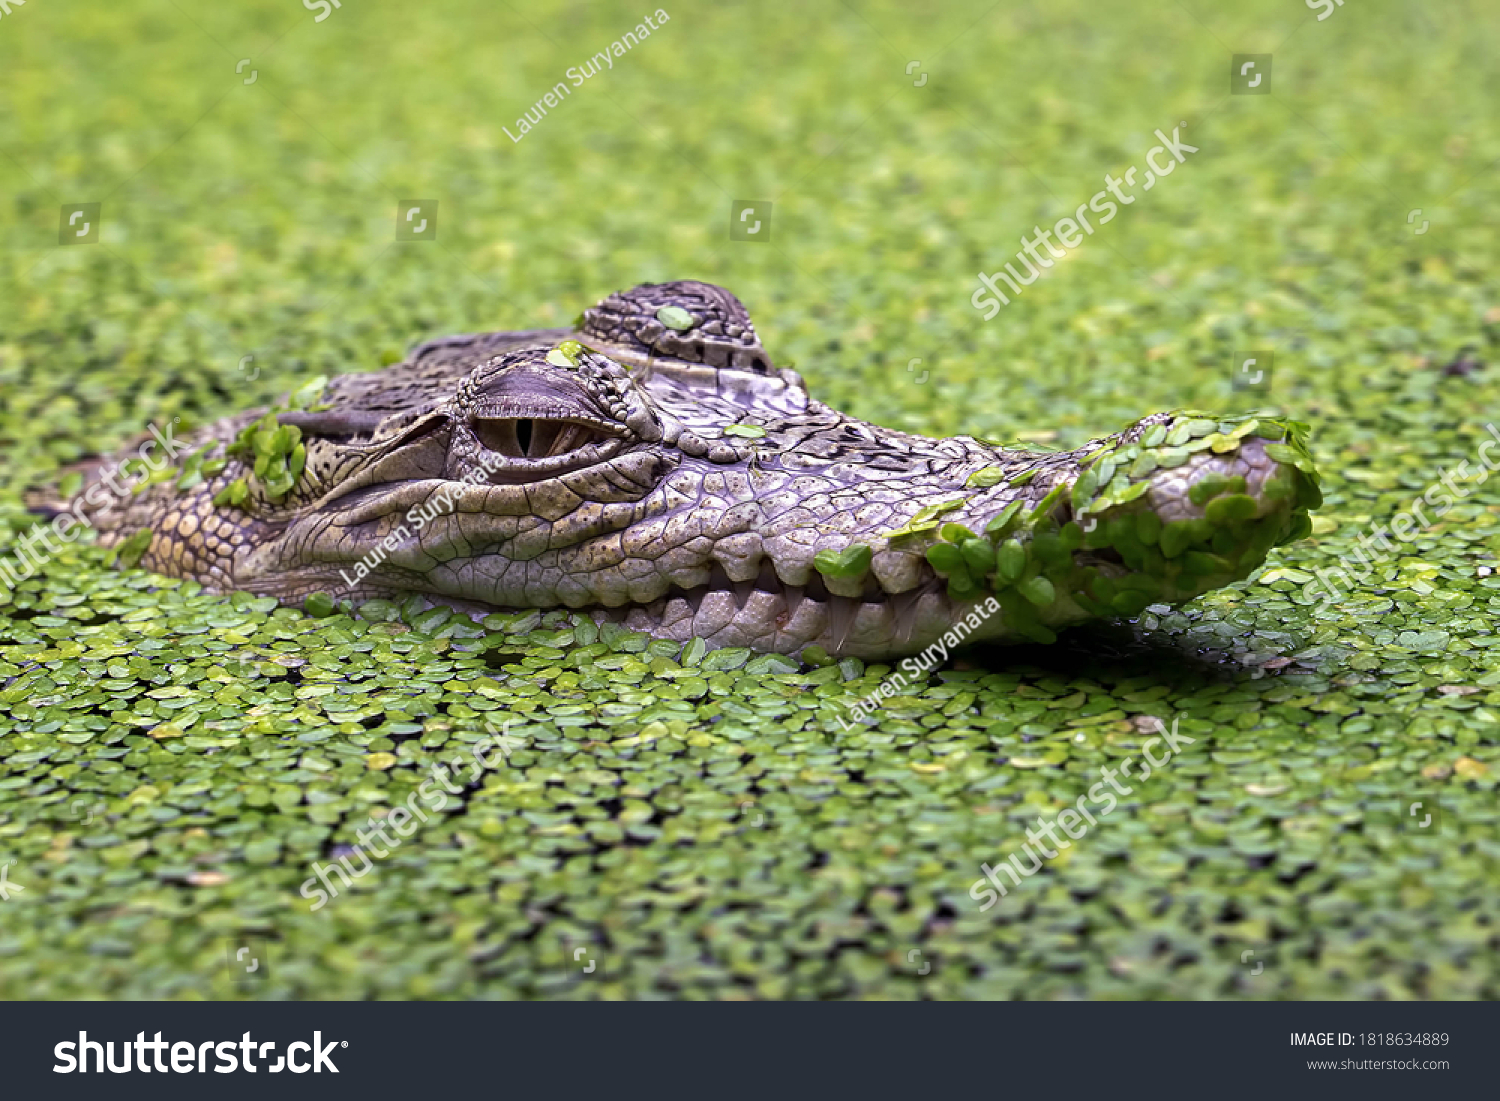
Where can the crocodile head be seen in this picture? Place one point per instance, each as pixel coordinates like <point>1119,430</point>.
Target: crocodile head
<point>653,466</point>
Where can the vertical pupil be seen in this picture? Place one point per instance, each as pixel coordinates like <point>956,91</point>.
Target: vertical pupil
<point>523,436</point>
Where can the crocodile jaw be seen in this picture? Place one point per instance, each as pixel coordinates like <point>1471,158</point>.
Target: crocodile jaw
<point>698,551</point>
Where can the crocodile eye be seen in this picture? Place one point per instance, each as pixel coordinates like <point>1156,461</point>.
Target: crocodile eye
<point>534,437</point>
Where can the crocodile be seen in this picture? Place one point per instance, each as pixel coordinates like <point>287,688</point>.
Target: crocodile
<point>652,465</point>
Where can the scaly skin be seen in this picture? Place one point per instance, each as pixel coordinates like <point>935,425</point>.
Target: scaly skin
<point>679,482</point>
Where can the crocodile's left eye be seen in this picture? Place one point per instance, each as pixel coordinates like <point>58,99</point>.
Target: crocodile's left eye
<point>535,437</point>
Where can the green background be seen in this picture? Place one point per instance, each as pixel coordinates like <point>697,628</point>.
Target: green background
<point>171,760</point>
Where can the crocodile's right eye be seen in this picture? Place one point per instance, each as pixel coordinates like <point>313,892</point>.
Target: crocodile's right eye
<point>535,437</point>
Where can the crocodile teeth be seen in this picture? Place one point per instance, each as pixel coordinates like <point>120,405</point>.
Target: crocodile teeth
<point>841,613</point>
<point>743,590</point>
<point>677,609</point>
<point>764,609</point>
<point>793,597</point>
<point>715,613</point>
<point>904,613</point>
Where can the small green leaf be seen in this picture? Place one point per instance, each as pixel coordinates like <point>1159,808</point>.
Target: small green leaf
<point>306,394</point>
<point>960,585</point>
<point>1238,506</point>
<point>1309,495</point>
<point>1038,591</point>
<point>233,493</point>
<point>1049,550</point>
<point>912,529</point>
<point>1148,528</point>
<point>1300,528</point>
<point>945,558</point>
<point>287,437</point>
<point>979,556</point>
<point>1045,506</point>
<point>1206,488</point>
<point>675,317</point>
<point>1176,537</point>
<point>1001,525</point>
<point>1010,561</point>
<point>852,562</point>
<point>1085,488</point>
<point>318,605</point>
<point>984,479</point>
<point>130,551</point>
<point>1201,426</point>
<point>264,440</point>
<point>749,431</point>
<point>564,355</point>
<point>816,655</point>
<point>932,511</point>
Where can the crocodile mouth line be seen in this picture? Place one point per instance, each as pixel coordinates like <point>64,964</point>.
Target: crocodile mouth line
<point>768,604</point>
<point>765,602</point>
<point>775,606</point>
